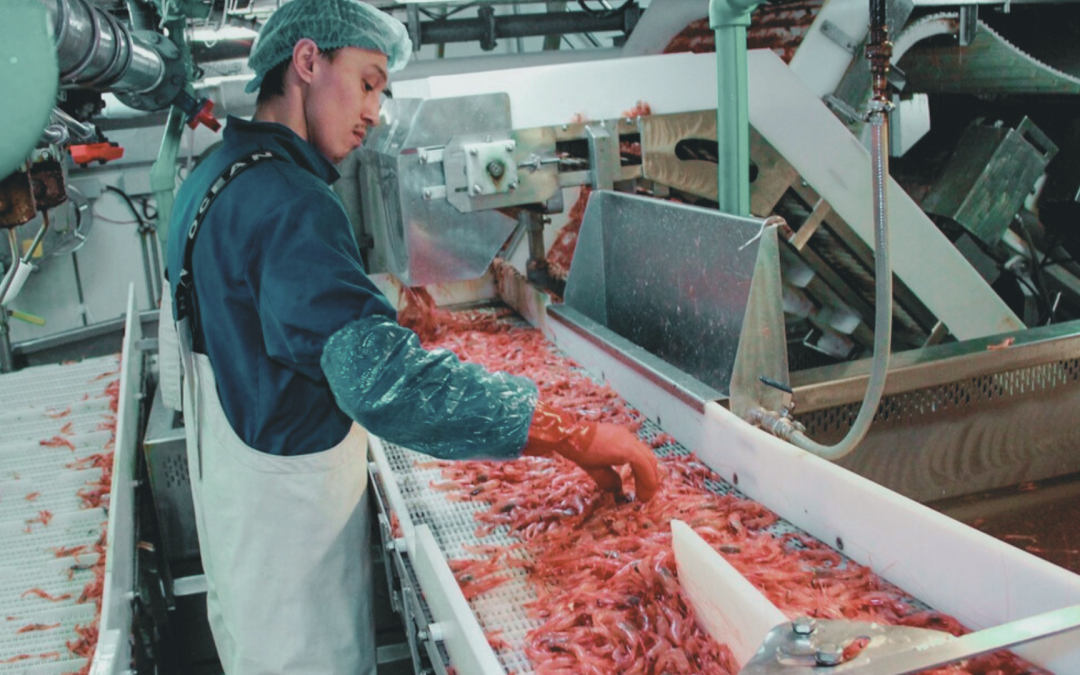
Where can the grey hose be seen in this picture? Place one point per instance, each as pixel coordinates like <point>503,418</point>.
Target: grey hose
<point>879,157</point>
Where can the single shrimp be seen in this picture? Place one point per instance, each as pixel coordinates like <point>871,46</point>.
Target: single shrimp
<point>46,595</point>
<point>57,442</point>
<point>29,628</point>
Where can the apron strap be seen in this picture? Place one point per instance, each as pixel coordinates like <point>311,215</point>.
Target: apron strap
<point>187,322</point>
<point>185,285</point>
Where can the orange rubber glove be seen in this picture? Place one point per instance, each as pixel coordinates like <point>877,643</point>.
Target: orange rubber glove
<point>596,448</point>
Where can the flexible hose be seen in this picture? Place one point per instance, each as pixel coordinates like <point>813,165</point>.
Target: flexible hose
<point>879,155</point>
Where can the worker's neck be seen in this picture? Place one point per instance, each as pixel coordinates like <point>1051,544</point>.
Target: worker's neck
<point>284,109</point>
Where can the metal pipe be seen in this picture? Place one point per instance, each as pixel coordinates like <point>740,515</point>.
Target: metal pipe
<point>151,288</point>
<point>729,20</point>
<point>9,277</point>
<point>526,25</point>
<point>732,121</point>
<point>55,134</point>
<point>96,51</point>
<point>84,132</point>
<point>79,288</point>
<point>37,240</point>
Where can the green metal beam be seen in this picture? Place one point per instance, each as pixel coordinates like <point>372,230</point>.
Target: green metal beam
<point>729,19</point>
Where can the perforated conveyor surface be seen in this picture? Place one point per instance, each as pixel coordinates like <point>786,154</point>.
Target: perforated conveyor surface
<point>50,418</point>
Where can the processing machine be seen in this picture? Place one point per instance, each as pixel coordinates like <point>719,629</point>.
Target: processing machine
<point>701,231</point>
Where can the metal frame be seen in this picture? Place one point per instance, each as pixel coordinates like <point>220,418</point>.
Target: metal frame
<point>829,386</point>
<point>439,624</point>
<point>113,653</point>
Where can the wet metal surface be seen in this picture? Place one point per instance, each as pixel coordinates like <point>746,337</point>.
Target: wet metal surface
<point>668,277</point>
<point>1040,517</point>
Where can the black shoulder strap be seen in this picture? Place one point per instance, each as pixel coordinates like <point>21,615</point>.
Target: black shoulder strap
<point>185,286</point>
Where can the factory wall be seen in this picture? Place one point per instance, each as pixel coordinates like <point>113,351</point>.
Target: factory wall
<point>112,257</point>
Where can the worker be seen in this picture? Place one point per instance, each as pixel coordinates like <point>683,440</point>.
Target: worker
<point>291,355</point>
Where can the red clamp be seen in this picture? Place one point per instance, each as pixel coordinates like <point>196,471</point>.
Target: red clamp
<point>204,115</point>
<point>95,152</point>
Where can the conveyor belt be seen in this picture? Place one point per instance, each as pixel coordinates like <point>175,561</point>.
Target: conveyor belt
<point>453,525</point>
<point>41,511</point>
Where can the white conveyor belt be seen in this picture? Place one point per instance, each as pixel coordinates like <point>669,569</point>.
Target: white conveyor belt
<point>50,418</point>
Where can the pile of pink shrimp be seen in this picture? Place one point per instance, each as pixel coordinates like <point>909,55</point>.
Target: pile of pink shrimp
<point>604,572</point>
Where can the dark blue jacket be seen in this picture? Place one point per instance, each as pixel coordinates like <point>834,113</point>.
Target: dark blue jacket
<point>277,271</point>
<point>300,340</point>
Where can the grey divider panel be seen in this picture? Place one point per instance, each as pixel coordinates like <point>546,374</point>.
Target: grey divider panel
<point>671,278</point>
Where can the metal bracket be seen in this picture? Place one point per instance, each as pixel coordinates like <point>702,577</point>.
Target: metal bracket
<point>481,170</point>
<point>762,351</point>
<point>811,647</point>
<point>603,156</point>
<point>807,645</point>
<point>147,344</point>
<point>840,37</point>
<point>490,167</point>
<point>969,24</point>
<point>430,155</point>
<point>842,109</point>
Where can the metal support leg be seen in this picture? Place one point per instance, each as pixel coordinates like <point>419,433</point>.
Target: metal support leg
<point>7,358</point>
<point>969,24</point>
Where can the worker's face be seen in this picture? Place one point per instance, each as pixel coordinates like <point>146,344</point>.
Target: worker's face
<point>343,100</point>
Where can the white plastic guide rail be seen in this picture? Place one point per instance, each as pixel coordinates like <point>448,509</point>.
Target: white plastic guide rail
<point>40,510</point>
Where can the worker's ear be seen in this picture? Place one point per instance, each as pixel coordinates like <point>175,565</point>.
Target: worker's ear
<point>305,53</point>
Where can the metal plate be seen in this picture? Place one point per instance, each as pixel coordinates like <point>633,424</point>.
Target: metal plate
<point>989,65</point>
<point>670,278</point>
<point>428,240</point>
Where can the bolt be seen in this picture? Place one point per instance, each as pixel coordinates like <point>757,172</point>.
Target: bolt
<point>828,654</point>
<point>510,146</point>
<point>513,185</point>
<point>422,635</point>
<point>803,625</point>
<point>565,127</point>
<point>427,194</point>
<point>496,168</point>
<point>476,189</point>
<point>423,158</point>
<point>474,152</point>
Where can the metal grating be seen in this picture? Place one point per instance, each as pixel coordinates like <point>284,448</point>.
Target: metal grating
<point>951,398</point>
<point>832,250</point>
<point>39,481</point>
<point>176,472</point>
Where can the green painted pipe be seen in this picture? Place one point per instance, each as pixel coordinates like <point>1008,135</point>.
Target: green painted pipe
<point>729,19</point>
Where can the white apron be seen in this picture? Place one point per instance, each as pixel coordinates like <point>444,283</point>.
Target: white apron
<point>284,544</point>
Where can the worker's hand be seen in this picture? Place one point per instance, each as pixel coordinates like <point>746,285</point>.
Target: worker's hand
<point>596,448</point>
